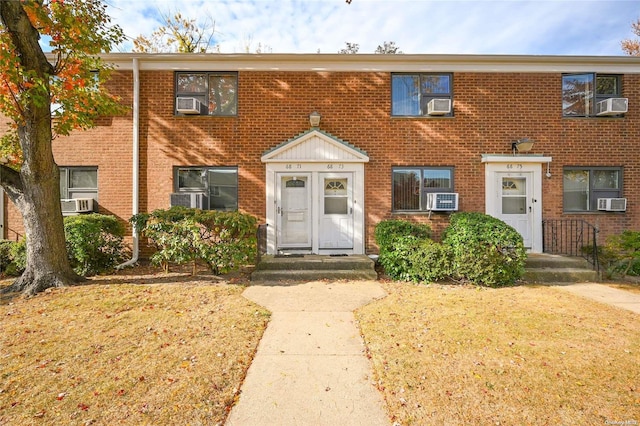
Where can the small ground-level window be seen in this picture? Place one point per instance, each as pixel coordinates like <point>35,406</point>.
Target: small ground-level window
<point>411,184</point>
<point>79,182</point>
<point>219,184</point>
<point>582,186</point>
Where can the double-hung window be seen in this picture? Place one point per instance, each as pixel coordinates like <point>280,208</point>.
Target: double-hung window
<point>79,182</point>
<point>411,184</point>
<point>206,93</point>
<point>581,92</point>
<point>218,184</point>
<point>411,94</point>
<point>582,186</point>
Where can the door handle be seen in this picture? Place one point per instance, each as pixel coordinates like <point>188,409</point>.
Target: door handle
<point>279,210</point>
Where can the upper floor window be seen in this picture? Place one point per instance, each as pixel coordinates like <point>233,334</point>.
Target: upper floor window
<point>582,186</point>
<point>581,92</point>
<point>411,184</point>
<point>416,95</point>
<point>78,182</point>
<point>219,184</point>
<point>207,93</point>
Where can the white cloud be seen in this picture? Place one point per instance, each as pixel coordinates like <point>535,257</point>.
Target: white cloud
<point>416,26</point>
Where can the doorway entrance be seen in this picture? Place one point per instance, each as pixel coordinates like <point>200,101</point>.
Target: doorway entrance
<point>513,194</point>
<point>315,196</point>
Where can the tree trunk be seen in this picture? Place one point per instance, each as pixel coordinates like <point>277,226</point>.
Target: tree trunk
<point>38,200</point>
<point>35,189</point>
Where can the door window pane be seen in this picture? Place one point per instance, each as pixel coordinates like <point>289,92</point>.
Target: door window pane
<point>514,205</point>
<point>336,205</point>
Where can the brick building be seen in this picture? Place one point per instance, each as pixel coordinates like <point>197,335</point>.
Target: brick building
<point>524,138</point>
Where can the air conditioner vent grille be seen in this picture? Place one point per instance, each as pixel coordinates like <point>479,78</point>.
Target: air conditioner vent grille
<point>442,201</point>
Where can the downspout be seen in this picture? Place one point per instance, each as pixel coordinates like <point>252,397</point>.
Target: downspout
<point>136,162</point>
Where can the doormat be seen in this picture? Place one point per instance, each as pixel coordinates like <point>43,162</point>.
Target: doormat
<point>338,255</point>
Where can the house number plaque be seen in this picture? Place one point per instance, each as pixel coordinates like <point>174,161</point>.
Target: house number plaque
<point>514,166</point>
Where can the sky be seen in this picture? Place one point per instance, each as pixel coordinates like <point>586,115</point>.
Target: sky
<point>544,27</point>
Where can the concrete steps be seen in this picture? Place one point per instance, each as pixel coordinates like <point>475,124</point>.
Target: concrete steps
<point>314,267</point>
<point>550,268</point>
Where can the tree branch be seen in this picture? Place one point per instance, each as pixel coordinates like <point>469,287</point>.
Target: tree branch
<point>24,37</point>
<point>10,181</point>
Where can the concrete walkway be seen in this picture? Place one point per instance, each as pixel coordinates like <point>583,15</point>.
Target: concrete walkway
<point>310,367</point>
<point>604,294</point>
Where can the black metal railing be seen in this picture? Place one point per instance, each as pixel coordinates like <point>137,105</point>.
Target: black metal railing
<point>571,237</point>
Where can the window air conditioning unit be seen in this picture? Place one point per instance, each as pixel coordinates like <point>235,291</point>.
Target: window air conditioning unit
<point>439,107</point>
<point>188,106</point>
<point>612,106</point>
<point>75,206</point>
<point>194,200</point>
<point>612,204</point>
<point>442,201</point>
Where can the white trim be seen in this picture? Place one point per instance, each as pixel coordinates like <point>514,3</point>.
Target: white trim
<point>322,149</point>
<point>375,63</point>
<point>499,158</point>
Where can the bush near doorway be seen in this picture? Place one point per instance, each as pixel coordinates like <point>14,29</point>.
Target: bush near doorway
<point>475,247</point>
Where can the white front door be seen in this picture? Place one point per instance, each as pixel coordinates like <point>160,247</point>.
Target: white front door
<point>336,211</point>
<point>294,211</point>
<point>515,204</point>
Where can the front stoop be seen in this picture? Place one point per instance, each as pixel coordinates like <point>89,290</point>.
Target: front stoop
<point>314,267</point>
<point>551,268</point>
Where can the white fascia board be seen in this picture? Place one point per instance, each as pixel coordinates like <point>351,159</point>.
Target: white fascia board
<point>376,63</point>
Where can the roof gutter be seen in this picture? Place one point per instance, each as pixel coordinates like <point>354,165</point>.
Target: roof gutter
<point>136,163</point>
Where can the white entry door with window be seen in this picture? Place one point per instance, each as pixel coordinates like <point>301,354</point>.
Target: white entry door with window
<point>513,194</point>
<point>336,211</point>
<point>515,207</point>
<point>314,188</point>
<point>294,211</point>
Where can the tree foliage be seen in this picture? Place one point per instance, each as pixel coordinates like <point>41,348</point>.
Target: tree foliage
<point>388,48</point>
<point>179,34</point>
<point>74,76</point>
<point>350,48</point>
<point>631,46</point>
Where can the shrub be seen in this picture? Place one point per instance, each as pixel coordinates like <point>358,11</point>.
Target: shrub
<point>485,250</point>
<point>388,230</point>
<point>5,254</point>
<point>95,243</point>
<point>395,259</point>
<point>407,253</point>
<point>430,261</point>
<point>621,254</point>
<point>13,257</point>
<point>223,240</point>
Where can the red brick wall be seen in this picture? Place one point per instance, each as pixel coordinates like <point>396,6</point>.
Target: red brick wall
<point>491,110</point>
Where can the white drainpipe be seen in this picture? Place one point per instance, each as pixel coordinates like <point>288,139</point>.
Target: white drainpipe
<point>136,161</point>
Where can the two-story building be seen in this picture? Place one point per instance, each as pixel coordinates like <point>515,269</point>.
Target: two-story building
<point>322,147</point>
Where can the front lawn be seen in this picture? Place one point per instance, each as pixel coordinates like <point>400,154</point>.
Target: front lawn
<point>155,349</point>
<point>453,355</point>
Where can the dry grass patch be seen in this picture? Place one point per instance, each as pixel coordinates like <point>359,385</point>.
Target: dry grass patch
<point>632,286</point>
<point>126,354</point>
<point>514,356</point>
